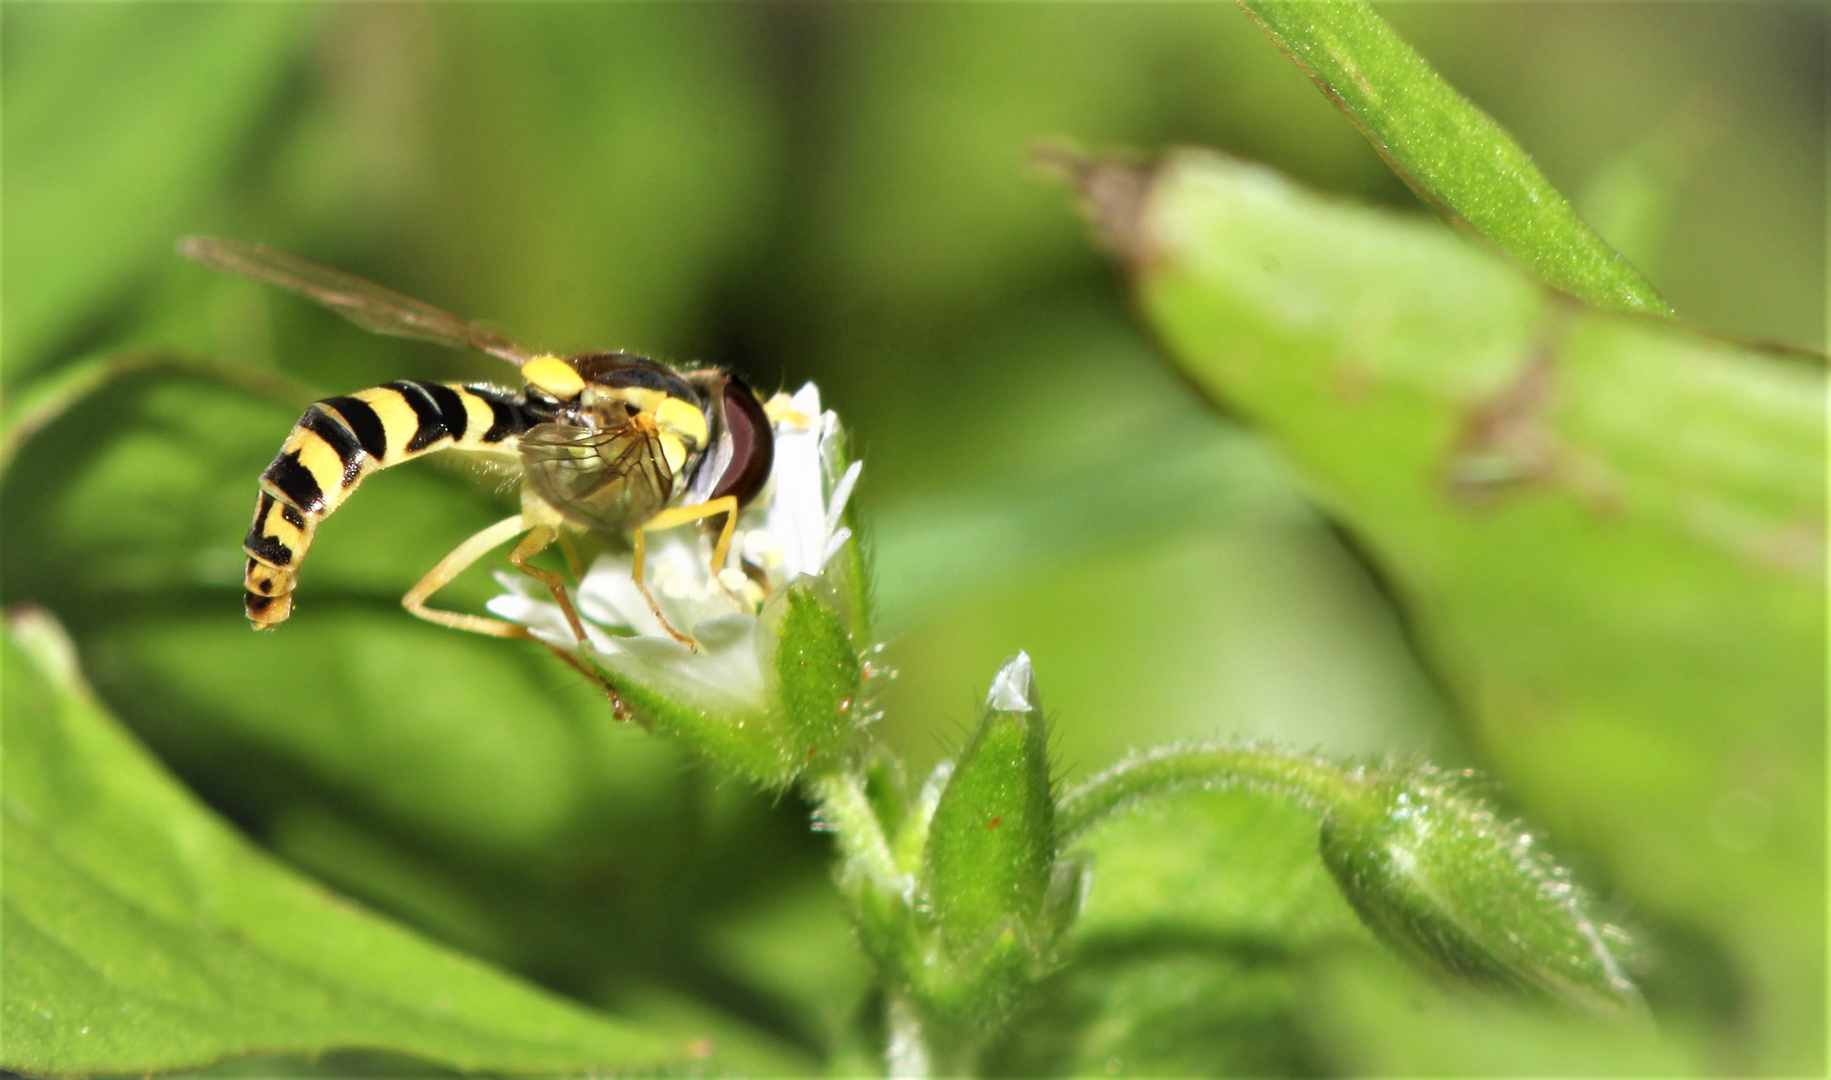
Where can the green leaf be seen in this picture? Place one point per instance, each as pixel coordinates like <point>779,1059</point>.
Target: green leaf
<point>1451,153</point>
<point>143,934</point>
<point>118,120</point>
<point>1607,529</point>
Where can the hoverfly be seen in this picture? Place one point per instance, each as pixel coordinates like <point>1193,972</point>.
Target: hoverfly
<point>604,442</point>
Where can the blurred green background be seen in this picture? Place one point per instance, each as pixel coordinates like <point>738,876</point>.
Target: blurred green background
<point>808,191</point>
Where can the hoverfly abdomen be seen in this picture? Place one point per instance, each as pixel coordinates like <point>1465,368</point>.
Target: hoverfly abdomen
<point>341,440</point>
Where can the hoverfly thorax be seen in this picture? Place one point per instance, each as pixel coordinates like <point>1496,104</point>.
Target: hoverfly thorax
<point>633,436</point>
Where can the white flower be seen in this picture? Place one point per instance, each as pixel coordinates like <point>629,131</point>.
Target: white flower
<point>793,528</point>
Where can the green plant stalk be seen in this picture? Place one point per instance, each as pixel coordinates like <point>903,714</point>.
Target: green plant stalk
<point>846,812</point>
<point>868,872</point>
<point>1169,768</point>
<point>869,876</point>
<point>1449,151</point>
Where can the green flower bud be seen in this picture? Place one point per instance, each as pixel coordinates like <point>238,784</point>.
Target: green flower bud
<point>991,906</point>
<point>1433,871</point>
<point>816,673</point>
<point>766,697</point>
<point>991,845</point>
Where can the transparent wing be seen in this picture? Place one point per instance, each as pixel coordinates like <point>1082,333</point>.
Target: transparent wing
<point>608,480</point>
<point>364,303</point>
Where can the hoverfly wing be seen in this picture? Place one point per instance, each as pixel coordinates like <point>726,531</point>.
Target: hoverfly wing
<point>364,303</point>
<point>608,480</point>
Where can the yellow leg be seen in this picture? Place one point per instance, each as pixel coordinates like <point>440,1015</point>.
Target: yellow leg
<point>571,552</point>
<point>533,544</point>
<point>454,564</point>
<point>668,519</point>
<point>475,548</point>
<point>618,710</point>
<point>680,515</point>
<point>639,551</point>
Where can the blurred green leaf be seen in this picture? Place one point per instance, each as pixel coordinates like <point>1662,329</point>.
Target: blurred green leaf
<point>1610,531</point>
<point>143,934</point>
<point>1452,154</point>
<point>28,410</point>
<point>628,154</point>
<point>119,120</point>
<point>797,944</point>
<point>1156,562</point>
<point>1633,196</point>
<point>1367,1015</point>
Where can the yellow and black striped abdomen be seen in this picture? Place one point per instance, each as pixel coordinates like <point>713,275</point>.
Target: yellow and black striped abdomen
<point>339,441</point>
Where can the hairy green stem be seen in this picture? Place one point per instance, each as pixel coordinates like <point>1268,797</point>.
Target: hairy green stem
<point>1448,150</point>
<point>845,811</point>
<point>1311,780</point>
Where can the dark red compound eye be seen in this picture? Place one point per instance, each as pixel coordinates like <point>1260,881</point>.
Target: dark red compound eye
<point>753,445</point>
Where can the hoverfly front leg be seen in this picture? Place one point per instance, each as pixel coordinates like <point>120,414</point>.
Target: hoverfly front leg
<point>681,515</point>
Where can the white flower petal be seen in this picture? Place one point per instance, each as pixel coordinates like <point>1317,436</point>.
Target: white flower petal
<point>833,544</point>
<point>841,494</point>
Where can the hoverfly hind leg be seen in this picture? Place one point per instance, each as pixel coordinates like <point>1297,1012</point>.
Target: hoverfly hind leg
<point>480,545</point>
<point>618,710</point>
<point>571,551</point>
<point>454,564</point>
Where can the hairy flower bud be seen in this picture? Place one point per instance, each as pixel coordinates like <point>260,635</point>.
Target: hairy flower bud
<point>989,858</point>
<point>1434,871</point>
